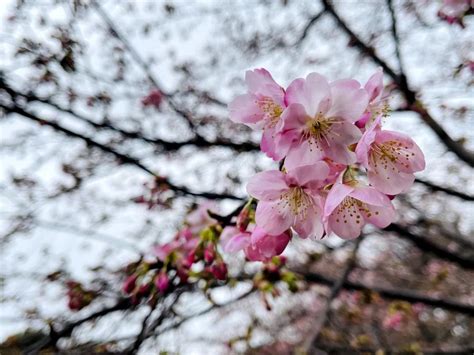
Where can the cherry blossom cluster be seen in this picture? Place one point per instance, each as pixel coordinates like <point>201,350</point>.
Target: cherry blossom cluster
<point>339,170</point>
<point>193,252</point>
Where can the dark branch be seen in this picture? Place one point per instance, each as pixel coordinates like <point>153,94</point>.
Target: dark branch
<point>430,247</point>
<point>123,158</point>
<point>312,21</point>
<point>402,295</point>
<point>446,190</point>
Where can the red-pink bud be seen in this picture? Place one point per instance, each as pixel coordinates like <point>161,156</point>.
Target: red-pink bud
<point>243,219</point>
<point>219,270</point>
<point>129,284</point>
<point>162,282</point>
<point>154,98</point>
<point>189,260</point>
<point>209,253</point>
<point>183,275</point>
<point>75,303</point>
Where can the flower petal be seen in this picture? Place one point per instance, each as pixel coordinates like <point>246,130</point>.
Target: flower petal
<point>301,154</point>
<point>410,158</point>
<point>260,81</point>
<point>388,181</point>
<point>273,218</point>
<point>311,225</point>
<point>336,195</point>
<point>307,175</point>
<point>267,185</point>
<point>345,226</point>
<point>349,100</point>
<point>374,85</point>
<point>268,245</point>
<point>381,216</point>
<point>313,93</point>
<point>244,109</point>
<point>371,196</point>
<point>237,242</point>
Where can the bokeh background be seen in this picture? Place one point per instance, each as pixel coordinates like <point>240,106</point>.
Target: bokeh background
<point>80,152</point>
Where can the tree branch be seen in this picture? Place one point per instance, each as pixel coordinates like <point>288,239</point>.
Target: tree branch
<point>123,158</point>
<point>402,295</point>
<point>335,290</point>
<point>430,247</point>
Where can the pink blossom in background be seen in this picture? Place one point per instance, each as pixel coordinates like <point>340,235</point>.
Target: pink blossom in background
<point>184,242</point>
<point>390,158</point>
<point>153,99</point>
<point>393,321</point>
<point>260,107</point>
<point>319,120</point>
<point>349,207</point>
<point>290,200</point>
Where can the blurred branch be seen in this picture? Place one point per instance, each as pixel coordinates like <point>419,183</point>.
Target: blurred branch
<point>123,158</point>
<point>144,65</point>
<point>197,141</point>
<point>430,247</point>
<point>312,21</point>
<point>402,295</point>
<point>335,290</point>
<point>396,37</point>
<point>446,190</point>
<point>402,83</point>
<point>52,338</point>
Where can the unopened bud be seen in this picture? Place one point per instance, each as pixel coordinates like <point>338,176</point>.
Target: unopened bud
<point>162,282</point>
<point>129,284</point>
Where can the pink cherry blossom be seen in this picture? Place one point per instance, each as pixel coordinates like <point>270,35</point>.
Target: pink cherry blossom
<point>290,200</point>
<point>377,99</point>
<point>390,158</point>
<point>319,121</point>
<point>260,107</point>
<point>257,244</point>
<point>349,207</point>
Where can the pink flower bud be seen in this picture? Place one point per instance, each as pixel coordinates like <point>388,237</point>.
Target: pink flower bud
<point>143,290</point>
<point>209,254</point>
<point>162,282</point>
<point>183,275</point>
<point>189,260</point>
<point>243,219</point>
<point>129,284</point>
<point>74,303</point>
<point>219,270</point>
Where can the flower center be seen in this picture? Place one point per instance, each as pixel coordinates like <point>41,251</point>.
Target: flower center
<point>317,130</point>
<point>297,200</point>
<point>271,110</point>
